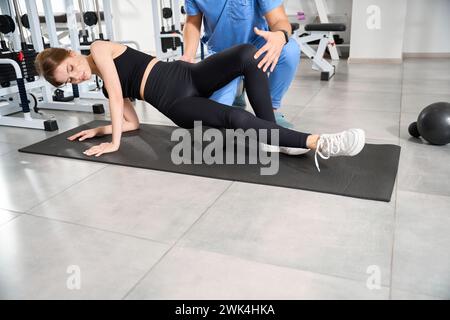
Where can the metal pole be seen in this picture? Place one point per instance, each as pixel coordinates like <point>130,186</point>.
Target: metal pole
<point>72,25</point>
<point>97,10</point>
<point>50,23</point>
<point>19,24</point>
<point>35,25</point>
<point>83,26</point>
<point>107,13</point>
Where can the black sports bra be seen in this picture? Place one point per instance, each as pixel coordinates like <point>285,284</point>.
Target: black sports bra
<point>130,65</point>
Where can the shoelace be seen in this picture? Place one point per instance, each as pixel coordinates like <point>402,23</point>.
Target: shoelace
<point>333,146</point>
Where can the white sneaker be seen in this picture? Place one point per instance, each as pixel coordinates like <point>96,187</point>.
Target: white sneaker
<point>345,143</point>
<point>293,151</point>
<point>286,150</point>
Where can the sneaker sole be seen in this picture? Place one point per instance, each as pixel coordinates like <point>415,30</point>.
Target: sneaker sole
<point>293,151</point>
<point>359,143</point>
<point>284,150</point>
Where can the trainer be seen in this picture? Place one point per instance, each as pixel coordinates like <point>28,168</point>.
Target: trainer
<point>263,23</point>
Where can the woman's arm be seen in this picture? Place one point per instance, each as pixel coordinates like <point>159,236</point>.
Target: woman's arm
<point>102,53</point>
<point>130,119</point>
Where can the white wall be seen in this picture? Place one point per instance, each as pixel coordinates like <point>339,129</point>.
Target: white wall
<point>385,43</point>
<point>427,27</point>
<point>132,20</point>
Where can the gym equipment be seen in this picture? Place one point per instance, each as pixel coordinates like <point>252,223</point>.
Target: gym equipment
<point>300,15</point>
<point>7,24</point>
<point>90,18</point>
<point>433,124</point>
<point>370,175</point>
<point>321,32</point>
<point>15,66</point>
<point>166,18</point>
<point>8,108</point>
<point>26,23</point>
<point>45,96</point>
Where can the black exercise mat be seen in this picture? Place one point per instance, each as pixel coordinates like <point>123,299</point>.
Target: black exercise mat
<point>369,175</point>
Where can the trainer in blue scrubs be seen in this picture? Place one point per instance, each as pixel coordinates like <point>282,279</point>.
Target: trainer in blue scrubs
<point>231,22</point>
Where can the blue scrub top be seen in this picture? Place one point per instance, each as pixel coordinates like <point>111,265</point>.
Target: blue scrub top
<point>230,22</point>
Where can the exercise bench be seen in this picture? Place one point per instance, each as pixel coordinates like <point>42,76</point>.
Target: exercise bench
<point>321,32</point>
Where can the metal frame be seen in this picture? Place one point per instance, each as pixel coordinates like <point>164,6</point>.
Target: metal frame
<point>319,63</point>
<point>33,16</point>
<point>156,10</point>
<point>27,121</point>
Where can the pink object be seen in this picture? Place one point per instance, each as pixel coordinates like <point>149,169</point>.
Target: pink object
<point>300,15</point>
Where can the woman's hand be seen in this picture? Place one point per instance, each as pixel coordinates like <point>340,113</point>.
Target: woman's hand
<point>100,149</point>
<point>275,42</point>
<point>85,134</point>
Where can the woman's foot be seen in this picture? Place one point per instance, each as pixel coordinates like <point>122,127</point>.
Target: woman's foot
<point>345,143</point>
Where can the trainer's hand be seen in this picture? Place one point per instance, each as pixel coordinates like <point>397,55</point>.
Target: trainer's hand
<point>97,151</point>
<point>85,134</point>
<point>275,42</point>
<point>187,59</point>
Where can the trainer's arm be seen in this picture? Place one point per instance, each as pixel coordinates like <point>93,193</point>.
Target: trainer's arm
<point>191,36</point>
<point>277,20</point>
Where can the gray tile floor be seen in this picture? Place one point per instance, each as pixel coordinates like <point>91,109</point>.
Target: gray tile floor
<point>129,233</point>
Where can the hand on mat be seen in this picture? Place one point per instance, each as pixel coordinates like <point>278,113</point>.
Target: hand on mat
<point>85,134</point>
<point>275,42</point>
<point>100,149</point>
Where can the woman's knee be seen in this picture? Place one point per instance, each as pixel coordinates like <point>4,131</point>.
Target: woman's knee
<point>246,53</point>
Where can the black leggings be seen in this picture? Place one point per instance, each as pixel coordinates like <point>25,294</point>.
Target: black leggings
<point>180,90</point>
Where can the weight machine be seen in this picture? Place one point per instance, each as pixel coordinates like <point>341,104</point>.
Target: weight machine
<point>167,27</point>
<point>17,73</point>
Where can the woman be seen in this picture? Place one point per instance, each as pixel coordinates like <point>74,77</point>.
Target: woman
<point>180,90</point>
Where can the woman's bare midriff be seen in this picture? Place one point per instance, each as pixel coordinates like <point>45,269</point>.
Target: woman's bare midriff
<point>145,77</point>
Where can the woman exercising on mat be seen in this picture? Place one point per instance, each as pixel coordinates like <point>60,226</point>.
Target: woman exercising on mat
<point>180,90</point>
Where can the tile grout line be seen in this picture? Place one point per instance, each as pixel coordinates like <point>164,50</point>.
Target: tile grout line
<point>94,228</point>
<point>284,266</point>
<point>396,189</point>
<point>306,106</point>
<point>65,189</point>
<point>10,220</point>
<point>174,244</point>
<point>244,258</point>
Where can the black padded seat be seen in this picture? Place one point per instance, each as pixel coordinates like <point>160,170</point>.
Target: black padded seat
<point>295,26</point>
<point>325,27</point>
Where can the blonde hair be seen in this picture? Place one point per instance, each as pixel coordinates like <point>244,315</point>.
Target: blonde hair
<point>48,60</point>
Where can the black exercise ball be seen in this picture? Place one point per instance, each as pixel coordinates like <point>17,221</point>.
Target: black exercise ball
<point>413,131</point>
<point>433,124</point>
